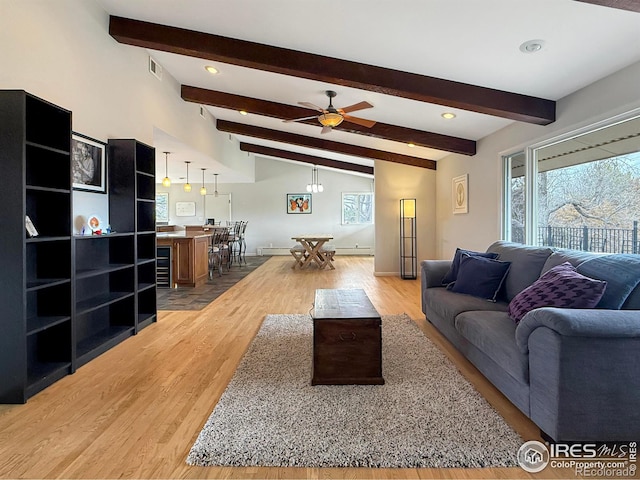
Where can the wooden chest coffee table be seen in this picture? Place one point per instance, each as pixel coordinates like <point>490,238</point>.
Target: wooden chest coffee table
<point>347,339</point>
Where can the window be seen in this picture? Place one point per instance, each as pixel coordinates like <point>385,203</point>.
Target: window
<point>580,192</point>
<point>515,202</point>
<point>357,208</point>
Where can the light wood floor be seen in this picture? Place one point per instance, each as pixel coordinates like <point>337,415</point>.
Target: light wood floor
<point>135,411</point>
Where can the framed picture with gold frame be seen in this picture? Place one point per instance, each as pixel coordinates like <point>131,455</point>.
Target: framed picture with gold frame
<point>460,192</point>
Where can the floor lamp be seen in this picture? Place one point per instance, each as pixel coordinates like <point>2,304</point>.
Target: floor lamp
<point>408,242</point>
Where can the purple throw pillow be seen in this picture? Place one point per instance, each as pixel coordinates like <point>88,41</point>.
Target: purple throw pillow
<point>562,286</point>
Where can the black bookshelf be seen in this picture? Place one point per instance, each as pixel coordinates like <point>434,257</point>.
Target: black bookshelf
<point>36,286</point>
<point>132,209</point>
<point>66,299</point>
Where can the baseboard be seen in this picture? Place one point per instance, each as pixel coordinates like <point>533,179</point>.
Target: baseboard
<point>386,274</point>
<point>271,251</point>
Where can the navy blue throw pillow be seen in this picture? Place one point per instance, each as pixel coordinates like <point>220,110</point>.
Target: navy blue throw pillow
<point>452,274</point>
<point>481,277</point>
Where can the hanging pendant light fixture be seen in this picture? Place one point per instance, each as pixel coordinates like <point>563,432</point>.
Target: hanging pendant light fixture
<point>166,181</point>
<point>203,190</point>
<point>187,186</point>
<point>215,185</point>
<point>315,186</point>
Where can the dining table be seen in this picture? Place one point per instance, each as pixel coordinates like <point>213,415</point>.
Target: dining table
<point>310,251</point>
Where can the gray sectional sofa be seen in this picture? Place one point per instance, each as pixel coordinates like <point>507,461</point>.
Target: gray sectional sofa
<point>574,372</point>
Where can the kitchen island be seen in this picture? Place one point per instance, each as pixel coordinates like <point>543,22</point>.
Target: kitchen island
<point>190,256</point>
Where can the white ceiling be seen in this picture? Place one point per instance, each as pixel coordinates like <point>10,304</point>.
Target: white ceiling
<point>470,41</point>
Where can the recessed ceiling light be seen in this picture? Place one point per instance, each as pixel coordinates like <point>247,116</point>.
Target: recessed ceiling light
<point>532,46</point>
<point>211,69</point>
<point>448,115</point>
<point>411,145</point>
<point>243,112</point>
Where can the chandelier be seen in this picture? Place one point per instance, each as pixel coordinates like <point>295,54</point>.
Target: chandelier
<point>315,186</point>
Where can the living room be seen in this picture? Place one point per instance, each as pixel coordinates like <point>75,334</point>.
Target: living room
<point>72,61</point>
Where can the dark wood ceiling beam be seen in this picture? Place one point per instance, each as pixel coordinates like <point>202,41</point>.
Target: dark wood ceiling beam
<point>301,157</point>
<point>631,5</point>
<point>285,112</point>
<point>312,142</point>
<point>335,71</point>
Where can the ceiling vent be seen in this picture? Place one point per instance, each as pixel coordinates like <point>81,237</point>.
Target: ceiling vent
<point>155,68</point>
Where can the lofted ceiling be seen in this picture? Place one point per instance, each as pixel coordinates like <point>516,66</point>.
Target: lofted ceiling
<point>412,60</point>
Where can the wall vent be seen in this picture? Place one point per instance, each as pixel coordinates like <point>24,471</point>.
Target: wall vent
<point>155,68</point>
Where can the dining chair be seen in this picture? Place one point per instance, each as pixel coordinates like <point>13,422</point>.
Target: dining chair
<point>219,251</point>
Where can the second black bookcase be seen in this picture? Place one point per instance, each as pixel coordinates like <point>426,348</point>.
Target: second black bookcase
<point>132,209</point>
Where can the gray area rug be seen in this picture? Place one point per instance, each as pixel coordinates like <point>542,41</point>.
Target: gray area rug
<point>426,415</point>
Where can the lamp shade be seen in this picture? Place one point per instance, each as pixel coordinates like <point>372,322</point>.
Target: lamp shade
<point>408,207</point>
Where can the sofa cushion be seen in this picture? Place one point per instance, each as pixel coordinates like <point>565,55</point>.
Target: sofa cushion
<point>560,287</point>
<point>447,304</point>
<point>526,264</point>
<point>621,272</point>
<point>560,256</point>
<point>452,274</point>
<point>480,277</point>
<point>494,334</point>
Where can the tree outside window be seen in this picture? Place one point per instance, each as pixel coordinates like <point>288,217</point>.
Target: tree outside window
<point>586,189</point>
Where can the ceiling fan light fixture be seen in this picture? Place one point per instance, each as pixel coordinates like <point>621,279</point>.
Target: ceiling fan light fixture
<point>330,119</point>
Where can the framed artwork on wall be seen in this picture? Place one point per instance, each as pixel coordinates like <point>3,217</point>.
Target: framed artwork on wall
<point>298,203</point>
<point>162,207</point>
<point>460,192</point>
<point>185,209</point>
<point>88,163</point>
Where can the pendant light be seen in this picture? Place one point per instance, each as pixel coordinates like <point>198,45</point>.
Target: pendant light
<point>215,185</point>
<point>315,186</point>
<point>203,190</point>
<point>166,181</point>
<point>187,186</point>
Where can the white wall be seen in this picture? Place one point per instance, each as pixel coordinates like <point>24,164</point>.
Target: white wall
<point>263,205</point>
<point>62,52</point>
<point>476,230</point>
<point>393,182</point>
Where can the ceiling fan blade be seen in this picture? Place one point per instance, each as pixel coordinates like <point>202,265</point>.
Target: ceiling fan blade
<point>355,106</point>
<point>326,130</point>
<point>360,121</point>
<point>300,119</point>
<point>311,105</point>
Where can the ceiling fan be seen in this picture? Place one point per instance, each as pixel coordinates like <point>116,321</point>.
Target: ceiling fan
<point>332,117</point>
